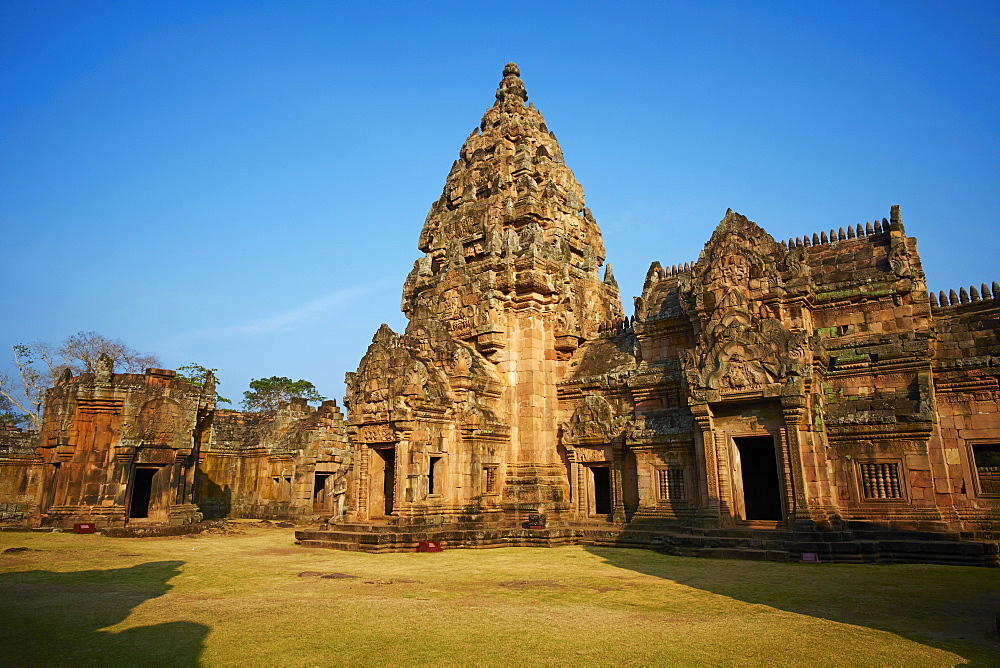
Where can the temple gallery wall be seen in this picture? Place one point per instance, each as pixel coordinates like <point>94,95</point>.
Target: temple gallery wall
<point>768,397</point>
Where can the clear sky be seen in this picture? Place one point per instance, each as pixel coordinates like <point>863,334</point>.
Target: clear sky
<point>242,184</point>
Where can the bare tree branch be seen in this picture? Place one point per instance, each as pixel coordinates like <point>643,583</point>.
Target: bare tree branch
<point>40,364</point>
<point>80,353</point>
<point>28,392</point>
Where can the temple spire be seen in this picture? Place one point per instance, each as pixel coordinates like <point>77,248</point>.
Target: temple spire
<point>511,90</point>
<point>511,214</point>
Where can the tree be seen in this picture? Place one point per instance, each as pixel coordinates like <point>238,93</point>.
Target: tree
<point>40,364</point>
<point>266,393</point>
<point>10,415</point>
<point>197,375</point>
<point>80,353</point>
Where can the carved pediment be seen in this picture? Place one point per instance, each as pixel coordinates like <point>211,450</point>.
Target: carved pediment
<point>739,264</point>
<point>742,346</point>
<point>160,423</point>
<point>594,422</point>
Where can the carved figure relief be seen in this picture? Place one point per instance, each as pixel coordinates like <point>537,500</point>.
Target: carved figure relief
<point>160,422</point>
<point>592,421</point>
<point>742,347</point>
<point>376,433</point>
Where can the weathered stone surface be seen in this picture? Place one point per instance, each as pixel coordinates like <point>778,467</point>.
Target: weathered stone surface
<point>278,464</point>
<point>458,416</point>
<point>115,446</point>
<point>131,450</point>
<point>769,398</point>
<point>768,385</point>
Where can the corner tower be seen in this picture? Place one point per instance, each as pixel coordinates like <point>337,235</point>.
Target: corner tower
<point>462,409</point>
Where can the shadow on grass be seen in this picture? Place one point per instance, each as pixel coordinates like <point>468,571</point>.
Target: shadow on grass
<point>51,618</point>
<point>952,608</point>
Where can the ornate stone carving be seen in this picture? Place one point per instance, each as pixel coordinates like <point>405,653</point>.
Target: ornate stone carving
<point>376,433</point>
<point>741,347</point>
<point>104,370</point>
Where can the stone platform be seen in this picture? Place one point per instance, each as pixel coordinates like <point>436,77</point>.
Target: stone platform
<point>856,545</point>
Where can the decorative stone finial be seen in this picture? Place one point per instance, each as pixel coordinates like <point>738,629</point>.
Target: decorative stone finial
<point>209,387</point>
<point>511,89</point>
<point>609,276</point>
<point>104,369</point>
<point>385,335</point>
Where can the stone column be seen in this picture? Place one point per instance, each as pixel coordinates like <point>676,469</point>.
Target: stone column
<point>705,456</point>
<point>359,505</point>
<point>796,417</point>
<point>618,497</point>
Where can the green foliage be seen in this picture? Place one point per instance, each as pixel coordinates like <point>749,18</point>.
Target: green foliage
<point>10,415</point>
<point>265,394</point>
<point>197,375</point>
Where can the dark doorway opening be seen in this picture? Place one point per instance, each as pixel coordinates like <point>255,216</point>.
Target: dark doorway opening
<point>383,481</point>
<point>602,489</point>
<point>319,491</point>
<point>759,469</point>
<point>142,491</point>
<point>432,475</point>
<point>389,480</point>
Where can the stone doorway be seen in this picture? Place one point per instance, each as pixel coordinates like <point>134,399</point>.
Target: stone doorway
<point>382,481</point>
<point>756,479</point>
<point>433,476</point>
<point>320,492</point>
<point>141,492</point>
<point>600,490</point>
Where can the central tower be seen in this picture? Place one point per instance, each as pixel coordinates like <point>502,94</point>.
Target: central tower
<point>463,407</point>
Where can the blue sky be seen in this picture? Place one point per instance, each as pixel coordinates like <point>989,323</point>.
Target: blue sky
<point>242,184</point>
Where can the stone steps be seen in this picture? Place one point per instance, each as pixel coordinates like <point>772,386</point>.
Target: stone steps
<point>355,538</point>
<point>868,546</point>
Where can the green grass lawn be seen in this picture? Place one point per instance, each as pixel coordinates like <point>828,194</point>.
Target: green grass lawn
<point>240,600</point>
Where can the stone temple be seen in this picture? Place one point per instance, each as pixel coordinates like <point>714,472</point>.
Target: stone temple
<point>766,400</point>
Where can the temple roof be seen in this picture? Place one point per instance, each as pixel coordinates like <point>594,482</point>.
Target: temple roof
<point>511,90</point>
<point>510,199</point>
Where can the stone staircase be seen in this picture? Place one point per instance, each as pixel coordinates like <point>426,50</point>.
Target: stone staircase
<point>856,544</point>
<point>849,546</point>
<point>379,538</point>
